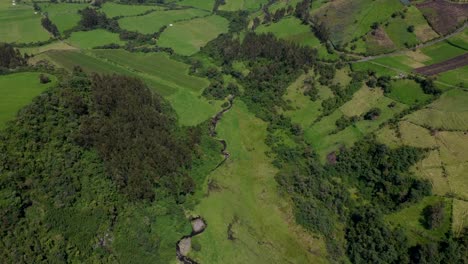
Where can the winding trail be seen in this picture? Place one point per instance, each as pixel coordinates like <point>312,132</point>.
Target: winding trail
<point>199,225</point>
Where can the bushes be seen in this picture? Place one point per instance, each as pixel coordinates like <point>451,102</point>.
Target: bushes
<point>433,215</point>
<point>10,57</point>
<point>49,26</point>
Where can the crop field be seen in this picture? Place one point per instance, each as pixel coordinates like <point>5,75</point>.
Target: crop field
<point>454,63</point>
<point>58,45</point>
<point>154,21</point>
<point>93,38</point>
<point>201,4</point>
<point>441,51</point>
<point>422,29</point>
<point>20,24</point>
<point>187,37</point>
<point>117,10</point>
<point>17,91</point>
<point>408,92</point>
<point>352,19</point>
<point>64,15</point>
<point>455,77</point>
<point>409,218</point>
<point>459,216</point>
<point>234,5</point>
<point>444,16</point>
<point>450,112</point>
<point>398,33</point>
<point>167,77</point>
<point>259,218</point>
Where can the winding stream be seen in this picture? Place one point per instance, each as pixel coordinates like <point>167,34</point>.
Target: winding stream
<point>199,225</point>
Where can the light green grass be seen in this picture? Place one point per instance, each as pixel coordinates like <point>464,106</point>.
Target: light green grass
<point>187,37</point>
<point>115,10</point>
<point>460,216</point>
<point>93,38</point>
<point>264,229</point>
<point>408,92</point>
<point>450,111</point>
<point>291,29</point>
<point>398,33</point>
<point>442,51</point>
<point>19,24</point>
<point>64,16</point>
<point>202,4</point>
<point>369,66</point>
<point>17,91</point>
<point>153,22</point>
<point>455,77</point>
<point>422,29</point>
<point>409,219</point>
<point>234,5</point>
<point>58,45</point>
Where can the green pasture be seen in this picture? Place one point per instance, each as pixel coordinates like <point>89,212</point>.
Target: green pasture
<point>457,77</point>
<point>201,4</point>
<point>116,10</point>
<point>422,29</point>
<point>398,33</point>
<point>57,45</point>
<point>64,15</point>
<point>187,37</point>
<point>410,220</point>
<point>20,24</point>
<point>449,112</point>
<point>352,19</point>
<point>282,4</point>
<point>442,51</point>
<point>460,40</point>
<point>18,89</point>
<point>459,216</point>
<point>408,92</point>
<point>93,38</point>
<point>234,5</point>
<point>247,201</point>
<point>154,21</point>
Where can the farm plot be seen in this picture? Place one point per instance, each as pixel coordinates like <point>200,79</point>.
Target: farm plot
<point>154,21</point>
<point>444,16</point>
<point>352,19</point>
<point>64,15</point>
<point>58,45</point>
<point>94,38</point>
<point>234,5</point>
<point>17,91</point>
<point>455,77</point>
<point>187,37</point>
<point>20,24</point>
<point>444,66</point>
<point>201,4</point>
<point>449,112</point>
<point>118,10</point>
<point>408,92</point>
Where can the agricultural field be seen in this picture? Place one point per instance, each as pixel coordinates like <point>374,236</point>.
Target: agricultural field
<point>57,45</point>
<point>154,21</point>
<point>20,24</point>
<point>118,10</point>
<point>444,16</point>
<point>187,37</point>
<point>234,5</point>
<point>408,92</point>
<point>17,91</point>
<point>259,218</point>
<point>201,4</point>
<point>64,15</point>
<point>93,38</point>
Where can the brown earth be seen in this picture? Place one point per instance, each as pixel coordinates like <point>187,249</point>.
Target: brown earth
<point>444,16</point>
<point>444,66</point>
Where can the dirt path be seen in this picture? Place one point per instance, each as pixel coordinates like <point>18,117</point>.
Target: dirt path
<point>199,225</point>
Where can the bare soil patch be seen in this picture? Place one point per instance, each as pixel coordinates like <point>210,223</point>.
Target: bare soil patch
<point>444,66</point>
<point>444,16</point>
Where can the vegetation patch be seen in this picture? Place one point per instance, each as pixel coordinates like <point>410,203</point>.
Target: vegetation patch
<point>444,16</point>
<point>154,21</point>
<point>18,90</point>
<point>235,5</point>
<point>94,38</point>
<point>119,10</point>
<point>64,15</point>
<point>202,4</point>
<point>408,92</point>
<point>187,37</point>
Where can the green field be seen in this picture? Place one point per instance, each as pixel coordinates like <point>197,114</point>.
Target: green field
<point>168,77</point>
<point>455,77</point>
<point>202,4</point>
<point>58,45</point>
<point>93,38</point>
<point>20,24</point>
<point>116,10</point>
<point>408,92</point>
<point>154,21</point>
<point>442,51</point>
<point>398,33</point>
<point>187,37</point>
<point>234,5</point>
<point>248,199</point>
<point>17,91</point>
<point>352,19</point>
<point>64,16</point>
<point>409,219</point>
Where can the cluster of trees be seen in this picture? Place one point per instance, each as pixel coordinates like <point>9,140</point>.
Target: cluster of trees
<point>10,57</point>
<point>302,11</point>
<point>92,19</point>
<point>49,26</point>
